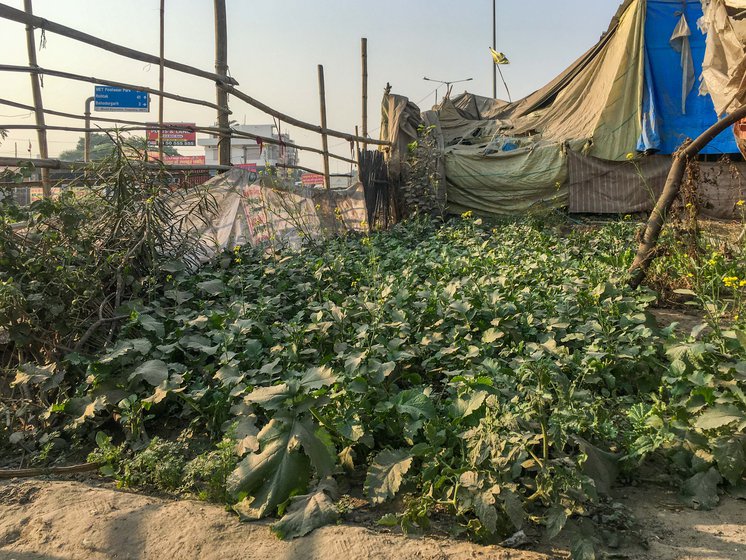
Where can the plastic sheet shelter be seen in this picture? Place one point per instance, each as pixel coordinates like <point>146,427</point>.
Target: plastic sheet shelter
<point>663,71</point>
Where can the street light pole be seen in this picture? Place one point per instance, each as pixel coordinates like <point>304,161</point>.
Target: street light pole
<point>87,141</point>
<point>447,84</point>
<point>494,47</point>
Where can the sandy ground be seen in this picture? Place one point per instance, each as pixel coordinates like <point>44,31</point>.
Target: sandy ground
<point>57,520</point>
<point>64,520</point>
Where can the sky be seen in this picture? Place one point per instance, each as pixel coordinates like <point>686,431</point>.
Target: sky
<point>274,47</point>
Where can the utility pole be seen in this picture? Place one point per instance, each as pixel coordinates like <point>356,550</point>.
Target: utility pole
<point>364,49</point>
<point>221,68</point>
<point>494,47</point>
<point>38,104</point>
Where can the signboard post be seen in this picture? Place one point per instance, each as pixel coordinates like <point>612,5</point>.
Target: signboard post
<point>107,98</point>
<point>173,134</point>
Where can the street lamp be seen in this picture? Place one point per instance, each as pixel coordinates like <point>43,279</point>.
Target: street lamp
<point>447,84</point>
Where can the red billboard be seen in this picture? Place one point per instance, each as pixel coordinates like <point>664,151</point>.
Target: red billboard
<point>173,134</point>
<point>311,179</point>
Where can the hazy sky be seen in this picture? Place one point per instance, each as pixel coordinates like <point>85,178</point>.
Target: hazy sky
<point>275,46</point>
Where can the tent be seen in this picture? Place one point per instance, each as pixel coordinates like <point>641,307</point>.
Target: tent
<point>664,71</point>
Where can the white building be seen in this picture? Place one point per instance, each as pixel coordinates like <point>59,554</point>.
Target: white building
<point>249,152</point>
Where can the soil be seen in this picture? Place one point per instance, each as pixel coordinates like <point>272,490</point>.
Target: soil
<point>66,520</point>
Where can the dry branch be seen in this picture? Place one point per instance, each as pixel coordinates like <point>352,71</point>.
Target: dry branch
<point>646,251</point>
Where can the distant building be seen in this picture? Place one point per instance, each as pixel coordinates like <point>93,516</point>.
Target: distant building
<point>249,152</point>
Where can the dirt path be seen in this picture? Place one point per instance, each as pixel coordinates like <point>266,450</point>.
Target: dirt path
<point>49,520</point>
<point>62,520</point>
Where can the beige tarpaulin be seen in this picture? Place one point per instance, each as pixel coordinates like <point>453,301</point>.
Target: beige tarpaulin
<point>724,66</point>
<point>523,180</point>
<point>603,101</point>
<point>250,213</point>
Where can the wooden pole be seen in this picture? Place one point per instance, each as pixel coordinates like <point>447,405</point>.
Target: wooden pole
<point>12,14</point>
<point>646,251</point>
<point>38,103</point>
<point>87,141</point>
<point>221,68</point>
<point>160,84</point>
<point>364,48</point>
<point>324,137</point>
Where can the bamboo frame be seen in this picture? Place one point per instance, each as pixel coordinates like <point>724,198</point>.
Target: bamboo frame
<point>6,12</point>
<point>206,129</point>
<point>78,77</point>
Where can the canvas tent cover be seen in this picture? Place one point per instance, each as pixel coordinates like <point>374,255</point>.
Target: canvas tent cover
<point>663,71</point>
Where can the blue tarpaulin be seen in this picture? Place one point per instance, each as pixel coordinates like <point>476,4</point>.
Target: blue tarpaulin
<point>665,126</point>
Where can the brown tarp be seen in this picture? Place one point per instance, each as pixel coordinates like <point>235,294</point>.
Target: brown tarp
<point>604,187</point>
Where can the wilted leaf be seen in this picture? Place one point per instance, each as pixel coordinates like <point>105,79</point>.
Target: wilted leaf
<point>386,473</point>
<point>701,490</point>
<point>718,416</point>
<point>583,549</point>
<point>513,507</point>
<point>731,459</point>
<point>308,512</point>
<point>464,407</point>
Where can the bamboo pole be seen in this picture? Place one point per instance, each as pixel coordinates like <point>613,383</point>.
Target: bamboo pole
<point>160,81</point>
<point>364,53</point>
<point>646,251</point>
<point>324,137</point>
<point>206,129</point>
<point>12,14</point>
<point>221,67</point>
<point>78,77</point>
<point>296,122</point>
<point>38,103</point>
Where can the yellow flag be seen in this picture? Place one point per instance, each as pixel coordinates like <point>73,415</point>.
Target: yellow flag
<point>499,57</point>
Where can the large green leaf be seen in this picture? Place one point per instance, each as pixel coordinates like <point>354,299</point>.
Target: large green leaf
<point>309,511</point>
<point>281,467</point>
<point>154,372</point>
<point>555,522</point>
<point>415,403</point>
<point>386,473</point>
